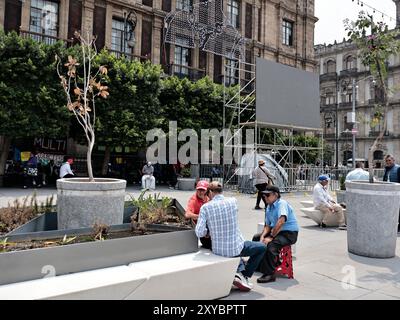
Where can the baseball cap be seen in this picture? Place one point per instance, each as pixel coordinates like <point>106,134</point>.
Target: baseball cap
<point>202,185</point>
<point>272,189</point>
<point>323,177</point>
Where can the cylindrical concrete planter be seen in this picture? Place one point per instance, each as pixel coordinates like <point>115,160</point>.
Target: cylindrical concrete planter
<point>372,216</point>
<point>186,184</point>
<point>81,203</point>
<point>341,196</point>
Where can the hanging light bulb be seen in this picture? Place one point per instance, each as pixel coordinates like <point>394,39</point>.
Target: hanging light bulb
<point>362,4</point>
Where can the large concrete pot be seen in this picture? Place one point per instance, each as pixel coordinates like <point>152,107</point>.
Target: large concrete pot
<point>186,184</point>
<point>340,196</point>
<point>81,203</point>
<point>372,217</point>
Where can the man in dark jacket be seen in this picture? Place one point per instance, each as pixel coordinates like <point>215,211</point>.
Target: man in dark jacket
<point>392,174</point>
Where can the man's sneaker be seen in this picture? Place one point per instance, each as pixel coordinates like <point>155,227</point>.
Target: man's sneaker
<point>342,227</point>
<point>322,225</point>
<point>242,283</point>
<point>257,208</point>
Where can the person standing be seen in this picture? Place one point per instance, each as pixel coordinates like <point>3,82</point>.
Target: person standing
<point>263,178</point>
<point>219,218</point>
<point>31,172</point>
<point>332,212</point>
<point>65,170</point>
<point>358,173</point>
<point>392,174</point>
<point>280,229</point>
<point>195,202</point>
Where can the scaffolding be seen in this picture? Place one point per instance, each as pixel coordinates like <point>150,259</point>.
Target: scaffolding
<point>205,26</point>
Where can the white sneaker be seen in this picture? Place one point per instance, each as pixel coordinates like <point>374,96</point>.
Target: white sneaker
<point>242,283</point>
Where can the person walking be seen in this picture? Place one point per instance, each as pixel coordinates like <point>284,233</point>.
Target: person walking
<point>262,178</point>
<point>392,174</point>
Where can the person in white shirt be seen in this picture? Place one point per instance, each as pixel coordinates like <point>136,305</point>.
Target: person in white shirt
<point>332,212</point>
<point>65,170</point>
<point>148,180</point>
<point>358,173</point>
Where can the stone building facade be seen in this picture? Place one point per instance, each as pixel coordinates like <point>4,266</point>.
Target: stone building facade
<point>338,65</point>
<point>280,30</point>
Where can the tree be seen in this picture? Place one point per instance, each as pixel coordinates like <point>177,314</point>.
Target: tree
<point>376,43</point>
<point>124,118</point>
<point>31,104</point>
<point>82,88</point>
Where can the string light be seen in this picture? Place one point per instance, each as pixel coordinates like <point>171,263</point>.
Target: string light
<point>374,10</point>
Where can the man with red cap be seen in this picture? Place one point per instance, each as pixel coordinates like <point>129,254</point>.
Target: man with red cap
<point>194,205</point>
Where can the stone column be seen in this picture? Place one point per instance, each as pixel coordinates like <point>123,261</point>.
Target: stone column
<point>2,12</point>
<point>397,2</point>
<point>25,14</point>
<point>87,18</point>
<point>63,16</point>
<point>108,31</point>
<point>156,46</point>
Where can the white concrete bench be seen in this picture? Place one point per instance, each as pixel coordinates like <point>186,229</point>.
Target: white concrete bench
<point>199,275</point>
<point>307,203</point>
<point>316,215</point>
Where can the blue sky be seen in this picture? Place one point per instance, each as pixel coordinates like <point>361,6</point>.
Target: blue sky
<point>331,14</point>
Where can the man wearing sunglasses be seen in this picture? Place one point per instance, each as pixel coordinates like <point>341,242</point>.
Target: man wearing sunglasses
<point>280,229</point>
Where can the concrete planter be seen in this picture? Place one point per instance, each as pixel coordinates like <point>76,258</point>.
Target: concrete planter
<point>81,203</point>
<point>186,184</point>
<point>340,196</point>
<point>372,216</point>
<point>38,263</point>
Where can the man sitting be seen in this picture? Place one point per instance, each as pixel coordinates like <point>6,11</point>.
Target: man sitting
<point>280,230</point>
<point>332,212</point>
<point>358,173</point>
<point>219,217</point>
<point>148,180</point>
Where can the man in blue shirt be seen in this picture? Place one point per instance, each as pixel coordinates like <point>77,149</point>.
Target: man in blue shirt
<point>219,217</point>
<point>280,230</point>
<point>392,174</point>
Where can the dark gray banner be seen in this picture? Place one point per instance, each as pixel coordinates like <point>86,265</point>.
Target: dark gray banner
<point>286,96</point>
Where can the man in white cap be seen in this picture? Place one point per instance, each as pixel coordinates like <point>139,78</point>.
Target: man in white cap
<point>332,212</point>
<point>262,178</point>
<point>148,180</point>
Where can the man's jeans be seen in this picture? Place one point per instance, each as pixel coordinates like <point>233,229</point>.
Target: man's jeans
<point>254,250</point>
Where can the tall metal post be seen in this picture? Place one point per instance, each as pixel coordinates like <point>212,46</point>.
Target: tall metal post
<point>354,124</point>
<point>337,125</point>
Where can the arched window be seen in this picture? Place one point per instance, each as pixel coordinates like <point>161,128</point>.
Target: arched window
<point>330,66</point>
<point>350,63</point>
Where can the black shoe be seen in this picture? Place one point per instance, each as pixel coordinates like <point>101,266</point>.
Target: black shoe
<point>257,208</point>
<point>266,278</point>
<point>322,225</point>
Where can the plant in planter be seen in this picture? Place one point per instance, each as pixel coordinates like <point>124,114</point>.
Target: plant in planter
<point>367,235</point>
<point>82,202</point>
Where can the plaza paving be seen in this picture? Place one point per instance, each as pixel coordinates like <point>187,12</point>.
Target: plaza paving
<point>323,269</point>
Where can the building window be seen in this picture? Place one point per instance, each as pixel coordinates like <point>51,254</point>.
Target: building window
<point>231,72</point>
<point>181,61</point>
<point>329,98</point>
<point>330,66</point>
<point>44,20</point>
<point>350,63</point>
<point>287,30</point>
<point>119,42</point>
<point>148,3</point>
<point>233,12</point>
<point>184,4</point>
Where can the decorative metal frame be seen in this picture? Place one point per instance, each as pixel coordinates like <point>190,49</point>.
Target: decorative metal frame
<point>204,26</point>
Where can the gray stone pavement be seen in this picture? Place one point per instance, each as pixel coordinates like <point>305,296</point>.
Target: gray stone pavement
<point>323,269</point>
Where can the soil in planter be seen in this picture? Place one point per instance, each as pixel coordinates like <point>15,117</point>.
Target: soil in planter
<point>6,246</point>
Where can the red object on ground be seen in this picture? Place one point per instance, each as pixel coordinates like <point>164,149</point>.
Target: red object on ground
<point>286,267</point>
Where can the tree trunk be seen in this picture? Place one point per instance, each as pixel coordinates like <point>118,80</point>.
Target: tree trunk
<point>4,154</point>
<point>89,160</point>
<point>107,155</point>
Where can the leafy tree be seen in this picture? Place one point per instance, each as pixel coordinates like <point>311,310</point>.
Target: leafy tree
<point>376,43</point>
<point>132,109</point>
<point>31,104</point>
